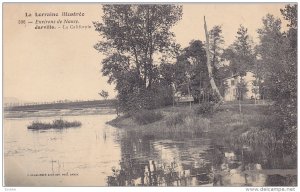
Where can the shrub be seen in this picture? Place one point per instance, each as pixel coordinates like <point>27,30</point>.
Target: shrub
<point>176,119</point>
<point>204,109</point>
<point>62,124</point>
<point>147,116</point>
<point>133,100</point>
<point>56,124</point>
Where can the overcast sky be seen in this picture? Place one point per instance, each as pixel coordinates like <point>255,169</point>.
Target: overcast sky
<point>48,65</point>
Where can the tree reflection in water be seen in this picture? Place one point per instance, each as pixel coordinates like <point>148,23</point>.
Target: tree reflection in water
<point>134,172</point>
<point>197,161</point>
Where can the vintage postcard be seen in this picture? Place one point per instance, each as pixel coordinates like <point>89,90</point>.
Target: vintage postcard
<point>168,94</point>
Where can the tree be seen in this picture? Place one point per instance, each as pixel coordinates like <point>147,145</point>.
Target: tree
<point>219,70</point>
<point>290,14</point>
<point>182,69</point>
<point>104,94</point>
<point>241,57</point>
<point>240,53</point>
<point>165,85</point>
<point>132,35</point>
<point>279,57</point>
<point>289,104</point>
<point>199,82</point>
<point>270,50</point>
<point>209,67</point>
<point>190,71</point>
<point>216,40</point>
<point>167,71</point>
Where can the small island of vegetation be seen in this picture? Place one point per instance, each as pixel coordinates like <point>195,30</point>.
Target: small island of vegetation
<point>56,124</point>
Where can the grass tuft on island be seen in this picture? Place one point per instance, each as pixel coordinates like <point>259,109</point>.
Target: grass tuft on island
<point>56,124</point>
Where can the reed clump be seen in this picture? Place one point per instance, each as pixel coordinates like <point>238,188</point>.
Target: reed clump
<point>56,124</point>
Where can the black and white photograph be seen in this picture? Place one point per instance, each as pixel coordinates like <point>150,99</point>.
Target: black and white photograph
<point>136,94</point>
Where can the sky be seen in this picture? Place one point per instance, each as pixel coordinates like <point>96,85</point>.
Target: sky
<point>57,64</point>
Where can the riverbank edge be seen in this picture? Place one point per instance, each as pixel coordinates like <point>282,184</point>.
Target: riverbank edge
<point>226,121</point>
<point>253,127</point>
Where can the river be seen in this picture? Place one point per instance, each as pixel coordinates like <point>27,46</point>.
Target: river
<point>97,154</point>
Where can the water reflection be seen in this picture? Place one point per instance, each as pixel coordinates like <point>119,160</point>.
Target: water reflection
<point>133,172</point>
<point>161,159</point>
<point>148,160</point>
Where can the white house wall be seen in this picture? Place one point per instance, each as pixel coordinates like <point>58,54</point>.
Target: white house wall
<point>230,92</point>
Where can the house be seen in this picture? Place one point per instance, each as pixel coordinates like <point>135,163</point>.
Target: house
<point>233,83</point>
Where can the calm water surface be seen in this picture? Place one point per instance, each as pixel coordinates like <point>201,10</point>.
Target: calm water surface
<point>89,151</point>
<point>97,154</point>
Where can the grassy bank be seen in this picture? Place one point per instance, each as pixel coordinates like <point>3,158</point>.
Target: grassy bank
<point>227,120</point>
<point>256,129</point>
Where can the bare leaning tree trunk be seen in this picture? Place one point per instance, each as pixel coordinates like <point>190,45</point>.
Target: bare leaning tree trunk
<point>209,68</point>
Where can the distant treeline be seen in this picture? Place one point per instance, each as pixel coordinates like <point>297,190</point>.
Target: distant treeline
<point>67,105</point>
